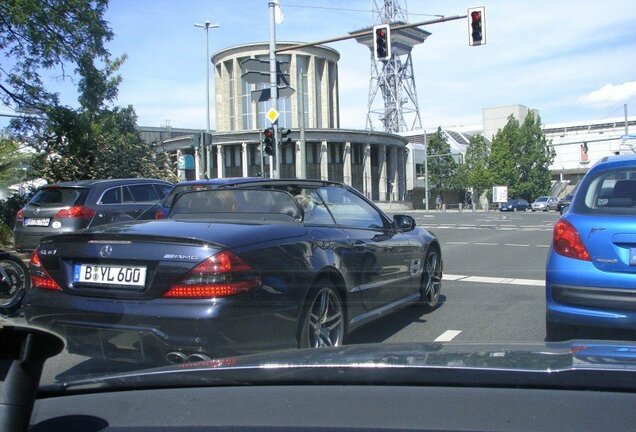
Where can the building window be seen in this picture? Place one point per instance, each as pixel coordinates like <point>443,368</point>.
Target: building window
<point>230,71</point>
<point>312,152</point>
<point>320,67</point>
<point>357,154</point>
<point>261,109</point>
<point>335,153</point>
<point>233,156</point>
<point>302,65</point>
<point>246,98</point>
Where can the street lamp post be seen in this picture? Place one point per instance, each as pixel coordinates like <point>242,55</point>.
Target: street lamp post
<point>207,26</point>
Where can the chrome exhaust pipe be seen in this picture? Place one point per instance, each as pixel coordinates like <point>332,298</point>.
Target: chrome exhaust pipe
<point>176,357</point>
<point>197,357</point>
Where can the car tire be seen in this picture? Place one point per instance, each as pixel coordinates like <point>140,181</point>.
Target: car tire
<point>431,282</point>
<point>14,283</point>
<point>323,318</point>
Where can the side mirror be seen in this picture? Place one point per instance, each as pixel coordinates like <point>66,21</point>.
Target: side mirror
<point>565,209</point>
<point>403,223</point>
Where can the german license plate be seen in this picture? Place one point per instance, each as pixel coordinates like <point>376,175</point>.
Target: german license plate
<point>110,274</point>
<point>632,256</point>
<point>37,222</point>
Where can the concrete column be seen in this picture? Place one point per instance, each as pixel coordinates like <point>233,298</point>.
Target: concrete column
<point>220,161</point>
<point>382,187</point>
<point>197,163</point>
<point>366,172</point>
<point>300,160</point>
<point>401,173</point>
<point>208,161</point>
<point>324,155</point>
<point>346,164</point>
<point>392,177</point>
<point>244,159</point>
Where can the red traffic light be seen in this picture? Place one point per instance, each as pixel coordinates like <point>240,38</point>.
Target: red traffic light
<point>380,32</point>
<point>269,133</point>
<point>477,26</point>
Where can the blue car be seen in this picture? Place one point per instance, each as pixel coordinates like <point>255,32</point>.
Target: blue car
<point>591,267</point>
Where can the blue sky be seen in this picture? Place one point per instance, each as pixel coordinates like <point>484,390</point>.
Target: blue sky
<point>571,60</point>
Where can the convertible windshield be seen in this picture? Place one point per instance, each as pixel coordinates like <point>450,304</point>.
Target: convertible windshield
<point>235,202</point>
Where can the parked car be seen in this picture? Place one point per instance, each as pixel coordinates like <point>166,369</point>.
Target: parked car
<point>72,206</point>
<point>591,267</point>
<point>545,203</point>
<point>564,202</point>
<point>247,267</point>
<point>514,205</point>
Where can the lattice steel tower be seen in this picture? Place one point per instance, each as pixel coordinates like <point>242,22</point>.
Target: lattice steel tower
<point>398,111</point>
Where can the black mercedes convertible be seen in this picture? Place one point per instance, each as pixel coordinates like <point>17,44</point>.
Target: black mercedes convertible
<point>236,269</point>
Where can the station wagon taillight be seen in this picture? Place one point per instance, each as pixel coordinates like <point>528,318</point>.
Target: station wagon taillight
<point>220,275</point>
<point>77,211</point>
<point>566,241</point>
<point>39,276</point>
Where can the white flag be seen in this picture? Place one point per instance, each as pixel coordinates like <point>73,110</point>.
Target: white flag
<point>278,13</point>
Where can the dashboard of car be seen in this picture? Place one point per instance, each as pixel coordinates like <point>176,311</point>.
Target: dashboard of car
<point>336,407</point>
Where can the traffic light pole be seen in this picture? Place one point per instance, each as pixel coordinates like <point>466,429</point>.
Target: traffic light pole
<point>273,82</point>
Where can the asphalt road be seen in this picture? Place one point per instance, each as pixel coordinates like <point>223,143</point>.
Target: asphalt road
<point>492,290</point>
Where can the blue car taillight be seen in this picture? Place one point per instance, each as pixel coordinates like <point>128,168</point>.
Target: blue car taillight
<point>566,241</point>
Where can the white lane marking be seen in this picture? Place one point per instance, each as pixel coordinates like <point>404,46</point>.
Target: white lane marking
<point>452,277</point>
<point>459,243</point>
<point>494,280</point>
<point>543,246</point>
<point>486,244</point>
<point>516,245</point>
<point>448,336</point>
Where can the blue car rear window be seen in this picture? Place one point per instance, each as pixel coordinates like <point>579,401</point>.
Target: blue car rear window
<point>611,191</point>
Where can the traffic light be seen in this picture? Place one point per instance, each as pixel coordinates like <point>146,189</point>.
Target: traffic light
<point>284,137</point>
<point>382,42</point>
<point>477,26</point>
<point>268,141</point>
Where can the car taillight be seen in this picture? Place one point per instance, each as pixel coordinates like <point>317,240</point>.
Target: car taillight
<point>77,211</point>
<point>39,277</point>
<point>567,242</point>
<point>19,216</point>
<point>220,275</point>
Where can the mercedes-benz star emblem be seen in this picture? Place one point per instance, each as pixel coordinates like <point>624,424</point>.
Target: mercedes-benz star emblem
<point>36,211</point>
<point>106,251</point>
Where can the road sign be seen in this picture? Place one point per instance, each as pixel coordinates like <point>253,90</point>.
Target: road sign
<point>264,95</point>
<point>185,162</point>
<point>272,115</point>
<point>499,194</point>
<point>258,65</point>
<point>257,77</point>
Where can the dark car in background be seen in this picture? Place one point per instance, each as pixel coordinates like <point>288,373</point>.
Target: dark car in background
<point>72,206</point>
<point>515,205</point>
<point>564,202</point>
<point>242,268</point>
<point>591,269</point>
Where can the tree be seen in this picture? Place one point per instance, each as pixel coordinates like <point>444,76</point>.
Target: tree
<point>11,161</point>
<point>474,173</point>
<point>50,35</point>
<point>520,158</point>
<point>442,168</point>
<point>94,140</point>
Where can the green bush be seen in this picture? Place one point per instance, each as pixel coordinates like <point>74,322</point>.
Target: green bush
<point>9,207</point>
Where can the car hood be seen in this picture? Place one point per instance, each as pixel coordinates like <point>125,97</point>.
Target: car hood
<point>576,364</point>
<point>228,234</point>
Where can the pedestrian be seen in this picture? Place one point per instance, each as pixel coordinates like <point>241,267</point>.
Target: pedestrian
<point>438,202</point>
